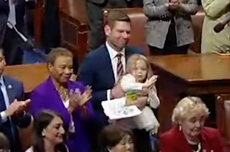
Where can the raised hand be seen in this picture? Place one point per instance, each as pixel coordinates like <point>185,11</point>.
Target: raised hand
<point>74,98</point>
<point>86,96</point>
<point>17,107</point>
<point>151,81</point>
<point>173,5</point>
<point>78,99</point>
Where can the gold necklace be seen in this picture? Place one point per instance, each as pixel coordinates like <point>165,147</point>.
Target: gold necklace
<point>63,92</point>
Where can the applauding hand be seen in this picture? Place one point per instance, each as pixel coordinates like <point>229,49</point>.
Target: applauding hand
<point>151,81</point>
<point>78,99</point>
<point>173,5</point>
<point>17,107</point>
<point>86,96</point>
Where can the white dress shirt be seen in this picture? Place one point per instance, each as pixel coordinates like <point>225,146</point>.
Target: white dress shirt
<point>113,57</point>
<point>114,60</point>
<point>71,125</point>
<point>6,98</point>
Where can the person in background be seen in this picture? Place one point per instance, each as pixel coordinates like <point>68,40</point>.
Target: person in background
<point>51,32</point>
<point>94,10</point>
<point>114,138</point>
<point>4,143</point>
<point>216,11</point>
<point>49,133</point>
<point>189,133</point>
<point>69,98</point>
<point>12,14</point>
<point>169,26</point>
<point>12,109</point>
<point>103,67</point>
<point>135,3</point>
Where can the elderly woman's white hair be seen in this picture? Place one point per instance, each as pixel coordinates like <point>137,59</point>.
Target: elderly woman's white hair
<point>186,106</point>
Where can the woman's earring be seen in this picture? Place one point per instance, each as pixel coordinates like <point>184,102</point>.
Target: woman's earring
<point>180,128</point>
<point>43,134</point>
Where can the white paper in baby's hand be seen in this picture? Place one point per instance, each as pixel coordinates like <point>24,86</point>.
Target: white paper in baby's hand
<point>117,109</point>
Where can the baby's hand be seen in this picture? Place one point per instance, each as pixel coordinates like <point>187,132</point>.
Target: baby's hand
<point>150,81</point>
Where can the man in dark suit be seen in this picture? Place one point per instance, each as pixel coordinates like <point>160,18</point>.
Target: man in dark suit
<point>11,26</point>
<point>95,18</point>
<point>103,67</point>
<point>12,114</point>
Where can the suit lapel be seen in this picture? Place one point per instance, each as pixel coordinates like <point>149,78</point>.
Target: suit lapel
<point>9,89</point>
<point>108,66</point>
<point>57,102</point>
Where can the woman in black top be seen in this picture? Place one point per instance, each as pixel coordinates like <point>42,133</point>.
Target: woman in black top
<point>49,133</point>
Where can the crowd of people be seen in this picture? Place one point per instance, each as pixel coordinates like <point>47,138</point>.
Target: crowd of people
<point>67,114</point>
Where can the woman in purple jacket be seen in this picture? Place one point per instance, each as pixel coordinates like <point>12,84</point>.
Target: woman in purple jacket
<point>69,98</point>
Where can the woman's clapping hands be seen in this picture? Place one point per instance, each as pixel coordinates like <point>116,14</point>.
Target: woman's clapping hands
<point>79,99</point>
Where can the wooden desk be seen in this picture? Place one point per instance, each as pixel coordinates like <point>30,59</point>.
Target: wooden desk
<point>181,75</point>
<point>74,28</point>
<point>30,74</point>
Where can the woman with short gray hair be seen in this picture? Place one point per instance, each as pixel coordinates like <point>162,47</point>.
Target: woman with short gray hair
<point>189,133</point>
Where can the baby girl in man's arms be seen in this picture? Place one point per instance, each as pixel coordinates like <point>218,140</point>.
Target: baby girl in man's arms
<point>139,79</point>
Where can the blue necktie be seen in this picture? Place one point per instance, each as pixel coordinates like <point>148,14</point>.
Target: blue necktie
<point>2,101</point>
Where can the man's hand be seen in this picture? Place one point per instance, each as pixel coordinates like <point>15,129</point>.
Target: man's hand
<point>17,107</point>
<point>141,102</point>
<point>117,92</point>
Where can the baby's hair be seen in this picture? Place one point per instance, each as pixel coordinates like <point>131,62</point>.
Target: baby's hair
<point>131,64</point>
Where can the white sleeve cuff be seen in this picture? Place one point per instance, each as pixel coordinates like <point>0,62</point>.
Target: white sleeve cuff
<point>3,116</point>
<point>108,94</point>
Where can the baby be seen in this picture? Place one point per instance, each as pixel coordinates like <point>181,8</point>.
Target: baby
<point>138,79</point>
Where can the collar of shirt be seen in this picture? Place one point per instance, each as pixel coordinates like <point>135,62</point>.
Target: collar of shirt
<point>112,52</point>
<point>1,80</point>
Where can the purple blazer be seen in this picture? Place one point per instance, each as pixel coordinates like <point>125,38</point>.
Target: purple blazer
<point>45,96</point>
